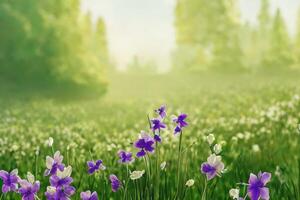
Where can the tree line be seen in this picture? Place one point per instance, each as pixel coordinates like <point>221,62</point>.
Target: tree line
<point>211,36</point>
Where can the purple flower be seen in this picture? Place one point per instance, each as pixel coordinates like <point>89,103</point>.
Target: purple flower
<point>62,179</point>
<point>180,122</point>
<point>88,195</point>
<point>256,188</point>
<point>145,144</point>
<point>157,138</point>
<point>161,111</point>
<point>214,166</point>
<point>54,164</point>
<point>157,125</point>
<point>115,182</point>
<point>95,166</point>
<point>61,193</point>
<point>125,157</point>
<point>29,190</point>
<point>10,180</point>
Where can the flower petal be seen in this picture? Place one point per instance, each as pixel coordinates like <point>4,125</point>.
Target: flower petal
<point>265,177</point>
<point>264,193</point>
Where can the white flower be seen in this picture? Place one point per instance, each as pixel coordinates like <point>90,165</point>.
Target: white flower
<point>30,177</point>
<point>217,148</point>
<point>49,142</point>
<point>255,148</point>
<point>210,139</point>
<point>136,174</point>
<point>234,193</point>
<point>66,173</point>
<point>163,165</point>
<point>190,183</point>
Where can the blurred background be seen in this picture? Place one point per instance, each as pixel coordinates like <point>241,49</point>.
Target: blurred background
<point>132,48</point>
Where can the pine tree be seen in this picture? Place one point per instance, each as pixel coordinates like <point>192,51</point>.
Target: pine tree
<point>263,32</point>
<point>207,35</point>
<point>279,54</point>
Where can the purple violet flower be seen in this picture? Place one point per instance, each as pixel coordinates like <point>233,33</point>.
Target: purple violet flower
<point>88,195</point>
<point>10,180</point>
<point>161,111</point>
<point>62,178</point>
<point>62,193</point>
<point>157,125</point>
<point>29,190</point>
<point>257,186</point>
<point>115,183</point>
<point>145,144</point>
<point>214,166</point>
<point>54,164</point>
<point>95,166</point>
<point>125,157</point>
<point>157,138</point>
<point>180,123</point>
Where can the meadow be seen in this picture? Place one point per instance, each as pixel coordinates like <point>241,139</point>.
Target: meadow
<point>253,120</point>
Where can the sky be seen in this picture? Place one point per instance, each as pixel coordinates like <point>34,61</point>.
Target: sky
<point>144,28</point>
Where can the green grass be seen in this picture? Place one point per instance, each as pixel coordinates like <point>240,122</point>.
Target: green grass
<point>241,112</point>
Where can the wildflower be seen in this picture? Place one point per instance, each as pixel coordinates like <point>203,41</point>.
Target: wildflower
<point>210,139</point>
<point>88,195</point>
<point>234,193</point>
<point>136,174</point>
<point>145,144</point>
<point>62,178</point>
<point>163,165</point>
<point>214,166</point>
<point>54,164</point>
<point>10,180</point>
<point>161,111</point>
<point>28,190</point>
<point>255,148</point>
<point>256,188</point>
<point>190,183</point>
<point>61,193</point>
<point>49,142</point>
<point>217,148</point>
<point>157,138</point>
<point>115,183</point>
<point>180,123</point>
<point>125,157</point>
<point>157,125</point>
<point>95,166</point>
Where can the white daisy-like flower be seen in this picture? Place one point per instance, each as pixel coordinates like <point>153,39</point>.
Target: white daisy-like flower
<point>136,174</point>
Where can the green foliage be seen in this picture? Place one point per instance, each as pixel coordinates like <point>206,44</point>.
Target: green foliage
<point>49,43</point>
<point>279,53</point>
<point>207,31</point>
<point>210,36</point>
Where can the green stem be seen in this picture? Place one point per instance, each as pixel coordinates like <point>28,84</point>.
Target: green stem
<point>178,165</point>
<point>127,181</point>
<point>204,191</point>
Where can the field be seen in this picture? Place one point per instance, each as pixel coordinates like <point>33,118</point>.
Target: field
<point>256,122</point>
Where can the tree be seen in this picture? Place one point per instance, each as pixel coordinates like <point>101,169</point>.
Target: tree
<point>279,53</point>
<point>207,35</point>
<point>48,43</point>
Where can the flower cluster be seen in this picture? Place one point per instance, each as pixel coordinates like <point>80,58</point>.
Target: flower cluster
<point>27,188</point>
